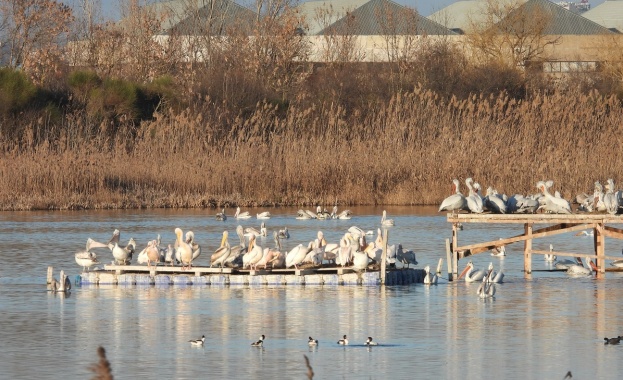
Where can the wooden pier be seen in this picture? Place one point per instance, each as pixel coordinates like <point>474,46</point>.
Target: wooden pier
<point>556,224</point>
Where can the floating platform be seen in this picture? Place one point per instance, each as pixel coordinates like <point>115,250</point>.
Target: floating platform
<point>204,276</point>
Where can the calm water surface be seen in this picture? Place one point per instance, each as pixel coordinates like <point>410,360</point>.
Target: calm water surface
<point>533,329</point>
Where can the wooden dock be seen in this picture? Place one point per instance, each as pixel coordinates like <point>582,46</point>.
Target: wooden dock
<point>556,224</point>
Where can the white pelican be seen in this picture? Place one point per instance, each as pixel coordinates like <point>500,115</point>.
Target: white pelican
<point>360,260</point>
<point>499,251</point>
<point>237,251</point>
<point>296,256</point>
<point>356,231</point>
<point>494,202</point>
<point>241,215</point>
<point>198,342</point>
<point>260,342</point>
<point>302,215</point>
<point>62,286</point>
<point>271,255</point>
<point>263,229</point>
<point>473,200</point>
<point>495,277</point>
<point>222,252</point>
<point>263,215</point>
<point>122,255</point>
<point>579,269</point>
<point>221,216</point>
<point>184,250</point>
<point>551,203</point>
<point>344,253</point>
<point>598,198</point>
<point>386,222</point>
<point>617,263</point>
<point>471,274</point>
<point>312,342</point>
<point>190,239</point>
<point>369,342</point>
<point>343,341</point>
<point>346,214</point>
<point>486,288</point>
<point>152,253</point>
<point>455,201</point>
<point>406,258</point>
<point>610,199</point>
<point>86,258</point>
<point>284,234</point>
<point>550,257</point>
<point>430,278</point>
<point>251,231</point>
<point>253,255</point>
<point>169,256</point>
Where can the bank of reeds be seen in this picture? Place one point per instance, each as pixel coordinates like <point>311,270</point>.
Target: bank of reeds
<point>405,151</point>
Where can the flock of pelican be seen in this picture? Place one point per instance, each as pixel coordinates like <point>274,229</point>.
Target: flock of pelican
<point>610,201</point>
<point>353,250</point>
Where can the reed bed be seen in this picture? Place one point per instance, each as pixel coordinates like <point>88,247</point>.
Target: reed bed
<point>404,151</point>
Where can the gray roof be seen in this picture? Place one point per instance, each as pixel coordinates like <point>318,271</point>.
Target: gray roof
<point>563,21</point>
<point>608,14</point>
<point>462,14</point>
<point>320,14</point>
<point>216,18</point>
<point>383,17</point>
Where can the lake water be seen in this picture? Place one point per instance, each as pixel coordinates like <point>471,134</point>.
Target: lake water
<point>533,329</point>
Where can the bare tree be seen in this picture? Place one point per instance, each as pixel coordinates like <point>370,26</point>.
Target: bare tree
<point>340,38</point>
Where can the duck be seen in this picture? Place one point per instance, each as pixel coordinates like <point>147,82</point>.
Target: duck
<point>241,215</point>
<point>198,342</point>
<point>615,340</point>
<point>343,341</point>
<point>386,222</point>
<point>369,342</point>
<point>429,278</point>
<point>454,202</point>
<point>260,342</point>
<point>312,342</point>
<point>221,216</point>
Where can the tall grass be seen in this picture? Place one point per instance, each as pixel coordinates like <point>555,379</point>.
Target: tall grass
<point>404,151</point>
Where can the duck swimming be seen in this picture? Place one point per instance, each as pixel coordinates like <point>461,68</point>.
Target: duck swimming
<point>312,341</point>
<point>260,342</point>
<point>369,342</point>
<point>343,341</point>
<point>198,342</point>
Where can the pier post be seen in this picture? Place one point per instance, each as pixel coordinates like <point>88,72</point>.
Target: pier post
<point>449,258</point>
<point>50,275</point>
<point>455,254</point>
<point>527,252</point>
<point>600,250</point>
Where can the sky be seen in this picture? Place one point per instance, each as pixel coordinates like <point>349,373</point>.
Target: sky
<point>110,8</point>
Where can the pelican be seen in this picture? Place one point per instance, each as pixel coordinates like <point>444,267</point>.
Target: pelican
<point>473,200</point>
<point>486,288</point>
<point>495,277</point>
<point>455,201</point>
<point>152,253</point>
<point>584,233</point>
<point>122,255</point>
<point>198,342</point>
<point>579,269</point>
<point>251,231</point>
<point>369,342</point>
<point>86,258</point>
<point>263,229</point>
<point>284,234</point>
<point>386,222</point>
<point>253,256</point>
<point>471,274</point>
<point>360,260</point>
<point>346,214</point>
<point>312,342</point>
<point>406,258</point>
<point>551,203</point>
<point>263,215</point>
<point>550,257</point>
<point>62,286</point>
<point>610,199</point>
<point>222,252</point>
<point>430,278</point>
<point>241,215</point>
<point>302,215</point>
<point>190,239</point>
<point>221,216</point>
<point>296,256</point>
<point>260,342</point>
<point>237,251</point>
<point>617,263</point>
<point>271,255</point>
<point>169,256</point>
<point>343,341</point>
<point>494,202</point>
<point>344,252</point>
<point>184,250</point>
<point>499,251</point>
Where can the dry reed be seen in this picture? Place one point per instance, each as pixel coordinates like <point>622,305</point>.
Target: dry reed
<point>405,151</point>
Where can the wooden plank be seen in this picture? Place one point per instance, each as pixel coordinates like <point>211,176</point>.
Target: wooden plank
<point>573,254</point>
<point>165,269</point>
<point>534,218</point>
<point>612,232</point>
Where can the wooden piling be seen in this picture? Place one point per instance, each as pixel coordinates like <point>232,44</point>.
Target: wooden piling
<point>449,258</point>
<point>527,251</point>
<point>600,250</point>
<point>455,253</point>
<point>50,275</point>
<point>384,256</point>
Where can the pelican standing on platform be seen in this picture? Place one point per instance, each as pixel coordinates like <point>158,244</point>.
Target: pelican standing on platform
<point>184,251</point>
<point>222,253</point>
<point>473,200</point>
<point>454,202</point>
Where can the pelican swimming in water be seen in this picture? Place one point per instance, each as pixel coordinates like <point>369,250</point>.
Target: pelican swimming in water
<point>471,274</point>
<point>241,215</point>
<point>579,269</point>
<point>221,216</point>
<point>369,342</point>
<point>184,251</point>
<point>284,233</point>
<point>499,251</point>
<point>429,278</point>
<point>584,233</point>
<point>486,288</point>
<point>198,342</point>
<point>312,342</point>
<point>454,202</point>
<point>260,342</point>
<point>550,257</point>
<point>222,252</point>
<point>386,222</point>
<point>343,341</point>
<point>263,215</point>
<point>62,286</point>
<point>344,215</point>
<point>495,277</point>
